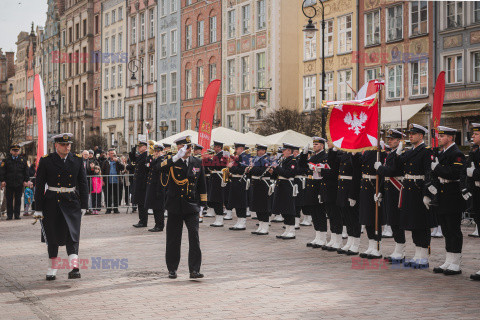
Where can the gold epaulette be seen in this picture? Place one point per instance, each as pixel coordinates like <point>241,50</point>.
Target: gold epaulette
<point>78,155</point>
<point>45,156</point>
<point>203,197</point>
<point>164,163</point>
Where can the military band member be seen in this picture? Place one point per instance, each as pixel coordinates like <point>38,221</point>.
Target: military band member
<point>277,218</point>
<point>299,180</point>
<point>261,182</point>
<point>14,176</point>
<point>155,191</point>
<point>237,196</point>
<point>216,194</point>
<point>473,173</point>
<point>139,182</point>
<point>415,207</point>
<point>62,205</point>
<point>186,195</point>
<point>393,184</point>
<point>313,204</point>
<point>285,190</point>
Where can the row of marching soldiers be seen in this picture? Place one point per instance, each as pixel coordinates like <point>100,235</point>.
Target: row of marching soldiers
<point>419,188</point>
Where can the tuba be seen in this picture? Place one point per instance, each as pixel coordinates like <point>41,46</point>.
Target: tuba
<point>151,143</point>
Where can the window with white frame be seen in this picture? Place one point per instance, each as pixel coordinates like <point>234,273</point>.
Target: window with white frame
<point>105,110</point>
<point>345,34</point>
<point>163,45</point>
<point>372,28</point>
<point>200,82</point>
<point>173,126</point>
<point>394,23</point>
<point>163,9</point>
<point>120,44</point>
<point>246,19</point>
<point>231,23</point>
<point>261,70</point>
<point>261,15</point>
<point>230,76</point>
<point>418,17</point>
<point>476,66</point>
<point>200,33</point>
<point>419,78</point>
<point>152,67</point>
<point>173,87</point>
<point>231,121</point>
<point>372,73</point>
<point>173,42</point>
<point>107,45</point>
<point>120,76</point>
<point>244,123</point>
<point>142,26</point>
<point>188,37</point>
<point>120,13</point>
<point>309,92</point>
<point>188,124</point>
<point>394,81</point>
<point>113,82</point>
<point>245,72</point>
<point>134,30</point>
<point>113,44</point>
<point>112,109</point>
<point>107,78</point>
<point>119,107</point>
<point>329,39</point>
<point>213,71</point>
<point>188,84</point>
<point>328,86</point>
<point>476,11</point>
<point>114,16</point>
<point>163,88</point>
<point>345,85</point>
<point>107,19</point>
<point>309,47</point>
<point>213,29</point>
<point>151,28</point>
<point>454,69</point>
<point>173,6</point>
<point>454,13</point>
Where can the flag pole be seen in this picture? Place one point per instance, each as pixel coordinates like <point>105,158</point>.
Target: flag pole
<point>377,182</point>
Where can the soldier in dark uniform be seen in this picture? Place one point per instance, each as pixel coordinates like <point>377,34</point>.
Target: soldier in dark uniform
<point>62,205</point>
<point>237,196</point>
<point>349,178</point>
<point>155,192</point>
<point>216,194</point>
<point>14,176</point>
<point>186,195</point>
<point>314,205</point>
<point>393,179</point>
<point>367,203</point>
<point>285,190</point>
<point>473,173</point>
<point>448,170</point>
<point>415,207</point>
<point>140,184</point>
<point>260,177</point>
<point>299,181</point>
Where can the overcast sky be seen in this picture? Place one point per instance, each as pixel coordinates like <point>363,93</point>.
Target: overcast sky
<point>18,15</point>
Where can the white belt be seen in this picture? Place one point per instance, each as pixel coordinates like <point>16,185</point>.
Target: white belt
<point>444,181</point>
<point>369,177</point>
<point>294,186</point>
<point>398,178</point>
<point>477,183</point>
<point>412,177</point>
<point>345,177</point>
<point>207,175</point>
<point>217,172</point>
<point>237,175</point>
<point>62,190</point>
<point>300,177</point>
<point>283,178</point>
<point>258,177</point>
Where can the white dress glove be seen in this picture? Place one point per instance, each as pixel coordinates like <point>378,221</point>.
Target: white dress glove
<point>352,202</point>
<point>201,209</point>
<point>432,189</point>
<point>84,211</point>
<point>377,165</point>
<point>470,170</point>
<point>377,198</point>
<point>311,166</point>
<point>465,194</point>
<point>305,150</point>
<point>382,144</point>
<point>426,202</point>
<point>226,154</point>
<point>38,214</point>
<point>399,148</point>
<point>180,154</point>
<point>435,163</point>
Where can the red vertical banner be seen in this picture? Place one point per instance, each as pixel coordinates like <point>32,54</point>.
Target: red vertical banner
<point>438,97</point>
<point>206,116</point>
<point>39,97</point>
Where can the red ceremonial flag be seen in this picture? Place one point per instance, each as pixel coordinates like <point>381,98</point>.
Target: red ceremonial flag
<point>39,97</point>
<point>206,115</point>
<point>438,97</point>
<point>367,90</point>
<point>354,126</point>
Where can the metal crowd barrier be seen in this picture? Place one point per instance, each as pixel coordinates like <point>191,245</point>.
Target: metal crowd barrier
<point>110,192</point>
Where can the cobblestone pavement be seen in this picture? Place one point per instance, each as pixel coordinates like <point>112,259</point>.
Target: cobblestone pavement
<point>247,277</point>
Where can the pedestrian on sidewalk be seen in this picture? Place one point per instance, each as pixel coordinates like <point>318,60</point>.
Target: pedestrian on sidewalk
<point>96,194</point>
<point>28,198</point>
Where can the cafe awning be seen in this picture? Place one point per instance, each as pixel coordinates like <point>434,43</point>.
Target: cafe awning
<point>398,116</point>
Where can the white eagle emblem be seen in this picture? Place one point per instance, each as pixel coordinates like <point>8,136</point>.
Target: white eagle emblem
<point>355,123</point>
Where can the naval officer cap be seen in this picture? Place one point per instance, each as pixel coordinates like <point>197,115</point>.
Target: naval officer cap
<point>239,145</point>
<point>260,146</point>
<point>15,147</point>
<point>218,143</point>
<point>196,146</point>
<point>290,146</point>
<point>142,142</point>
<point>63,138</point>
<point>446,130</point>
<point>167,145</point>
<point>393,133</point>
<point>475,127</point>
<point>183,140</point>
<point>158,146</point>
<point>319,140</point>
<point>416,128</point>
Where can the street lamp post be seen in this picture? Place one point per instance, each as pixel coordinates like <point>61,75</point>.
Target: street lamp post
<point>53,91</point>
<point>309,11</point>
<point>133,66</point>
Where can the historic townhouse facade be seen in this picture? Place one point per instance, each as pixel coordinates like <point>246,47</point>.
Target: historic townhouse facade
<point>7,71</point>
<point>77,43</point>
<point>201,57</point>
<point>457,52</point>
<point>96,60</point>
<point>113,67</point>
<point>141,39</point>
<point>168,68</point>
<point>29,110</point>
<point>20,86</point>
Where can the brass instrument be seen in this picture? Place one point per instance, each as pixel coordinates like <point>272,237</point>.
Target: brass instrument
<point>151,144</point>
